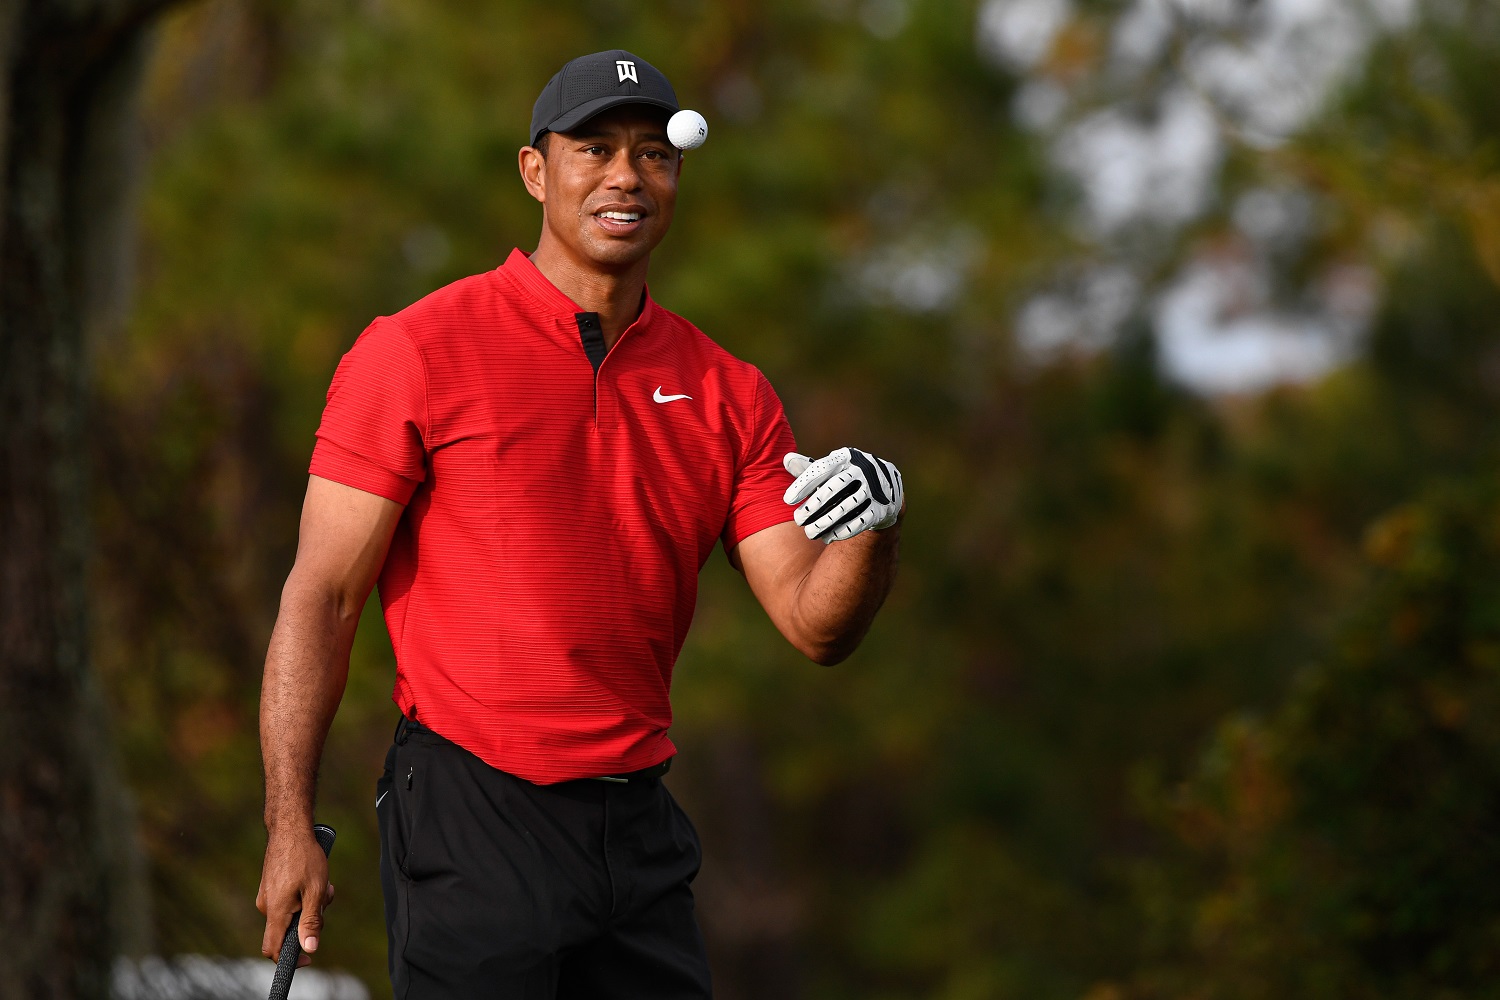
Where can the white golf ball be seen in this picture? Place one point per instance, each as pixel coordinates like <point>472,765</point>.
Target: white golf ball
<point>687,129</point>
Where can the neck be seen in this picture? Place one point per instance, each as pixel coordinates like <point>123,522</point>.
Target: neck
<point>615,295</point>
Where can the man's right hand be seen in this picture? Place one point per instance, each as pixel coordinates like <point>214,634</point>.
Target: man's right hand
<point>294,877</point>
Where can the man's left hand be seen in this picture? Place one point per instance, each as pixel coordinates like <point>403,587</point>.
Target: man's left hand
<point>843,493</point>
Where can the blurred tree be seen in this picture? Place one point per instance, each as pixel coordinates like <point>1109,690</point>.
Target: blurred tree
<point>1348,843</point>
<point>69,77</point>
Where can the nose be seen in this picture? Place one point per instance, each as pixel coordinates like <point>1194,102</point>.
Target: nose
<point>623,175</point>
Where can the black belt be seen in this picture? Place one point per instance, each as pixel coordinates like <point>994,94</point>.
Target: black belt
<point>652,773</point>
<point>405,726</point>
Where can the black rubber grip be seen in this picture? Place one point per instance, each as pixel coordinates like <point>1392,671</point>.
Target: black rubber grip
<point>291,945</point>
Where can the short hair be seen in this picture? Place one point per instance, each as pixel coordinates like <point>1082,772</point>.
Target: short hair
<point>542,142</point>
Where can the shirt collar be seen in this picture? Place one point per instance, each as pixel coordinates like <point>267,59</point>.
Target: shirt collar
<point>524,274</point>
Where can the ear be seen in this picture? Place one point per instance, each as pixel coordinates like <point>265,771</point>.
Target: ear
<point>534,172</point>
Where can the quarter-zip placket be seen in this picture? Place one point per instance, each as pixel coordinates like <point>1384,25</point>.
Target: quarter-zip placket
<point>591,332</point>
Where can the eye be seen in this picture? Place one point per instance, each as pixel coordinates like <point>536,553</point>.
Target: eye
<point>595,150</point>
<point>654,154</point>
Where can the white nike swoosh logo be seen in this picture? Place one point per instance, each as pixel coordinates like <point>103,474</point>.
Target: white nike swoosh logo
<point>382,796</point>
<point>667,399</point>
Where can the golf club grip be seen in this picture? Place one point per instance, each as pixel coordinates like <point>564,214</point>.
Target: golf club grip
<point>291,946</point>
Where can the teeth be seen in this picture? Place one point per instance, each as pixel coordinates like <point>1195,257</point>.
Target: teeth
<point>620,216</point>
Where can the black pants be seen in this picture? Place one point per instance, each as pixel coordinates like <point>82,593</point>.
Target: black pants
<point>500,889</point>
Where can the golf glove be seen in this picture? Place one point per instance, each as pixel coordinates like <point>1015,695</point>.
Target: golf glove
<point>843,493</point>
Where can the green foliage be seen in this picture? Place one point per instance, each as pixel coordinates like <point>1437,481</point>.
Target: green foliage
<point>1346,846</point>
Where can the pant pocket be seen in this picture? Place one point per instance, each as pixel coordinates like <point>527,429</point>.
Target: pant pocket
<point>384,821</point>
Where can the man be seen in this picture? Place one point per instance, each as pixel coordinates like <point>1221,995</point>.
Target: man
<point>536,462</point>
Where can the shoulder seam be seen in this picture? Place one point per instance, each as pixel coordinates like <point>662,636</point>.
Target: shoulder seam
<point>426,383</point>
<point>760,388</point>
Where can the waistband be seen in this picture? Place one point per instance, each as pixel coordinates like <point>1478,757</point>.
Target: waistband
<point>405,727</point>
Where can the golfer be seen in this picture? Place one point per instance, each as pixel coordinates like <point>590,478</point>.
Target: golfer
<point>534,463</point>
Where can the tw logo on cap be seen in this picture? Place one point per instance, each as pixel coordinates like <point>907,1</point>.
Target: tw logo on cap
<point>626,69</point>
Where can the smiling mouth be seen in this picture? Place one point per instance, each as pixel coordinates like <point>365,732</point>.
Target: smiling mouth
<point>617,222</point>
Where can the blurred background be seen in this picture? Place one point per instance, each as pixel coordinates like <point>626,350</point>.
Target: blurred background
<point>1182,320</point>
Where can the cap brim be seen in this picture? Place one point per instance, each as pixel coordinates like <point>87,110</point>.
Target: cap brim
<point>582,113</point>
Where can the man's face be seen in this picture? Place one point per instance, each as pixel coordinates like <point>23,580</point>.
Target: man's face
<point>609,188</point>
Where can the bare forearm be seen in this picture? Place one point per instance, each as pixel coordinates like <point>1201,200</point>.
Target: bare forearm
<point>306,668</point>
<point>344,537</point>
<point>836,602</point>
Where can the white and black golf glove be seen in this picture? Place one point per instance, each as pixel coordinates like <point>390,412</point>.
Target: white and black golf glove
<point>843,493</point>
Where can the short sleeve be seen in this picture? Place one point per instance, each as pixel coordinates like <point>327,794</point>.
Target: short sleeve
<point>760,479</point>
<point>375,421</point>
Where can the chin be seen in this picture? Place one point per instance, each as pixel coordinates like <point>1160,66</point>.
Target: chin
<point>620,254</point>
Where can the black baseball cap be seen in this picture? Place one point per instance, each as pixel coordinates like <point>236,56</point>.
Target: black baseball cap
<point>594,83</point>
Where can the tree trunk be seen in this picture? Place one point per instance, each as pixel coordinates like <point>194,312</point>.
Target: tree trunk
<point>67,107</point>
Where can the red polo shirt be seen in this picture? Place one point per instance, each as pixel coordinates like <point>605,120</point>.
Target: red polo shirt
<point>542,579</point>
